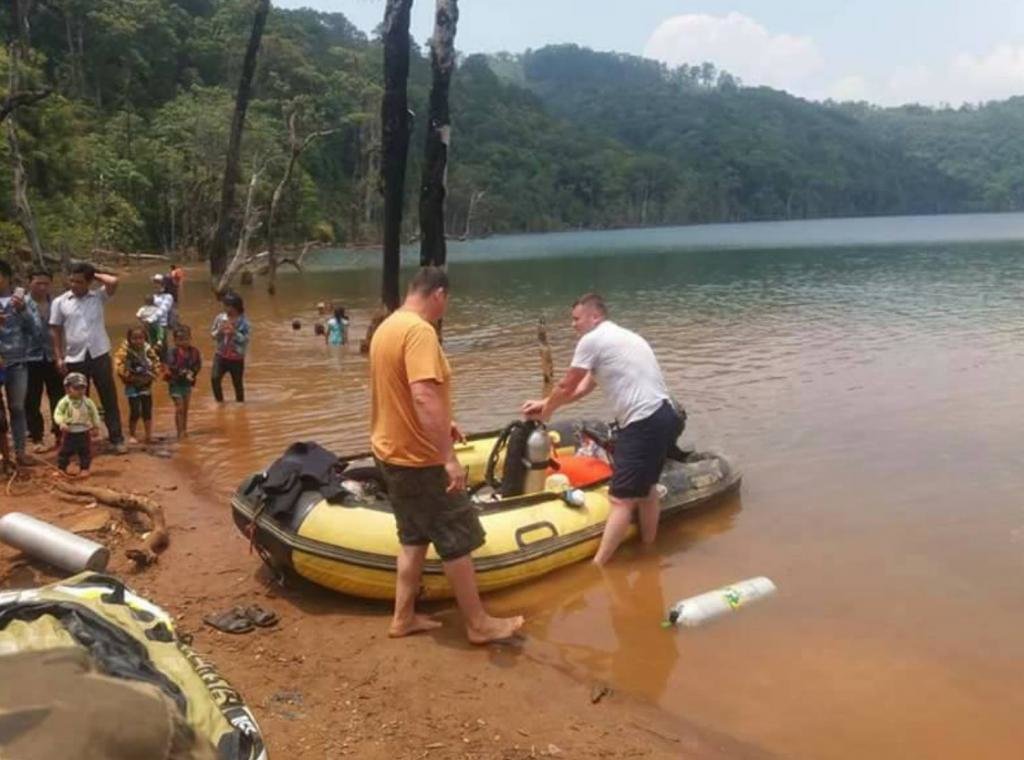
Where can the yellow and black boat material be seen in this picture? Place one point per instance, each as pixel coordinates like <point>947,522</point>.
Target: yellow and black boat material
<point>350,544</point>
<point>99,621</point>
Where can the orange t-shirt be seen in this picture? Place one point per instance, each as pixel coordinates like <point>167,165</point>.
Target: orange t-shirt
<point>404,350</point>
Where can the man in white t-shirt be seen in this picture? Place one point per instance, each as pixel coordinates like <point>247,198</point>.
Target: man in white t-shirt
<point>623,364</point>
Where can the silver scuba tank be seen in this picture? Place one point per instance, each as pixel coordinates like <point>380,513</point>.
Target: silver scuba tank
<point>538,458</point>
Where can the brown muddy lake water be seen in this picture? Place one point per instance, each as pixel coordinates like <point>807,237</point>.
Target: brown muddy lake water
<point>865,373</point>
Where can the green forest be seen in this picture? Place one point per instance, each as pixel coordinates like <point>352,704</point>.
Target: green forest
<point>127,151</point>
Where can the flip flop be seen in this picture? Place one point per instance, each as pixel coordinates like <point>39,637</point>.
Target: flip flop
<point>233,620</point>
<point>261,617</point>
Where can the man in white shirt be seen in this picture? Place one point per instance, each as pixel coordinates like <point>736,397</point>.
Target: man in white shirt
<point>623,364</point>
<point>80,342</point>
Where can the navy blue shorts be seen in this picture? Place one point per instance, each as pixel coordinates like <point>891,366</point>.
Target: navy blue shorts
<point>640,451</point>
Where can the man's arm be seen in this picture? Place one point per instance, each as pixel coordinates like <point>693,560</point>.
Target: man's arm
<point>108,281</point>
<point>576,384</point>
<point>431,411</point>
<point>57,338</point>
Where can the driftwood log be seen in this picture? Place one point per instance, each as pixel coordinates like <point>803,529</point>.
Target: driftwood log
<point>547,364</point>
<point>158,538</point>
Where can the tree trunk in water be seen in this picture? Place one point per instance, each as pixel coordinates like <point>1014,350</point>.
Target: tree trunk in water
<point>474,197</point>
<point>219,244</point>
<point>434,185</point>
<point>295,149</point>
<point>395,119</point>
<point>250,223</point>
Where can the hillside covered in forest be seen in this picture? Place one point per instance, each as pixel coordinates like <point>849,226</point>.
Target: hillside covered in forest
<point>128,150</point>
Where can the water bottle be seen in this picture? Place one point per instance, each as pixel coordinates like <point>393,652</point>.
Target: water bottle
<point>699,609</point>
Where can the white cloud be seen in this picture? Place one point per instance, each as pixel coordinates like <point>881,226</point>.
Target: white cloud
<point>738,44</point>
<point>853,87</point>
<point>963,78</point>
<point>996,75</point>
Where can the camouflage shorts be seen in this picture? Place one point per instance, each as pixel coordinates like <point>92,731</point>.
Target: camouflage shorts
<point>427,514</point>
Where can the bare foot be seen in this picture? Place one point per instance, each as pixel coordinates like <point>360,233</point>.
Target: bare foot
<point>418,624</point>
<point>492,629</point>
<point>83,474</point>
<point>133,440</point>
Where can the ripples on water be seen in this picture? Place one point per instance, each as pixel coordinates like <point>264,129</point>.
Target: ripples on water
<point>872,397</point>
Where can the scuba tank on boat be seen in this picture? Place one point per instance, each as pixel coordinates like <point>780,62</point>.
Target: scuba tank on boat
<point>527,448</point>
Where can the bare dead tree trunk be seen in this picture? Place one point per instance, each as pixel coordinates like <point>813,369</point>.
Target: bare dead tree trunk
<point>295,149</point>
<point>250,223</point>
<point>434,185</point>
<point>219,244</point>
<point>395,118</point>
<point>474,197</point>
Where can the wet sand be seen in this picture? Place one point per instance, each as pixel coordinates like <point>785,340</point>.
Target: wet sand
<point>327,681</point>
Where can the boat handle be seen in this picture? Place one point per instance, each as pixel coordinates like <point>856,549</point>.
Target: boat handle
<point>526,529</point>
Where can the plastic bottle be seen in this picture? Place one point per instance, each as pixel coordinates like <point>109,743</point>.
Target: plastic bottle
<point>699,609</point>
<point>575,497</point>
<point>557,482</point>
<point>52,544</point>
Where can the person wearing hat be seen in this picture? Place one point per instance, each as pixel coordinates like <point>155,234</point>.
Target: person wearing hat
<point>79,420</point>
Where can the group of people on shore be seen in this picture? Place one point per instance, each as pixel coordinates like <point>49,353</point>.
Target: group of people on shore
<point>414,435</point>
<point>59,345</point>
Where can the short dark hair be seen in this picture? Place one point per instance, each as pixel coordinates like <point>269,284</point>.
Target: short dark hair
<point>134,329</point>
<point>5,269</point>
<point>84,268</point>
<point>40,273</point>
<point>182,331</point>
<point>594,301</point>
<point>429,279</point>
<point>233,300</point>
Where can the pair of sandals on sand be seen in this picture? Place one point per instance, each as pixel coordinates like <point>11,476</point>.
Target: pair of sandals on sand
<point>242,619</point>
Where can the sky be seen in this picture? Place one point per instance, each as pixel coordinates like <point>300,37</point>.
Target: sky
<point>887,52</point>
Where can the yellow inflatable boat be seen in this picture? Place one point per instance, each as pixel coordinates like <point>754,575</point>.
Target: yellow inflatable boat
<point>349,543</point>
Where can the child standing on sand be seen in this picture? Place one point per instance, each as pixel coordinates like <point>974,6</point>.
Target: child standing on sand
<point>79,420</point>
<point>138,365</point>
<point>183,364</point>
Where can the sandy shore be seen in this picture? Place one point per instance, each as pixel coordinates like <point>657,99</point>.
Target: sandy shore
<point>326,682</point>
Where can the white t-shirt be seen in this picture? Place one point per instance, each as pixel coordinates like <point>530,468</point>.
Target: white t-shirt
<point>625,367</point>
<point>85,331</point>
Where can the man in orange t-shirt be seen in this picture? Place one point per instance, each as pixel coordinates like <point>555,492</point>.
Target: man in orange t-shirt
<point>412,439</point>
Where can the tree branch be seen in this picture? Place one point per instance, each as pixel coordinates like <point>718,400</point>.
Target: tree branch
<point>17,100</point>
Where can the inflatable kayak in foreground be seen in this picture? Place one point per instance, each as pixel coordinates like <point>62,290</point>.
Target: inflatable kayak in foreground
<point>108,676</point>
<point>343,536</point>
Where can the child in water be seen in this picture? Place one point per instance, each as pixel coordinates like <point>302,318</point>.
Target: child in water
<point>79,420</point>
<point>137,364</point>
<point>337,328</point>
<point>230,333</point>
<point>149,316</point>
<point>183,364</point>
